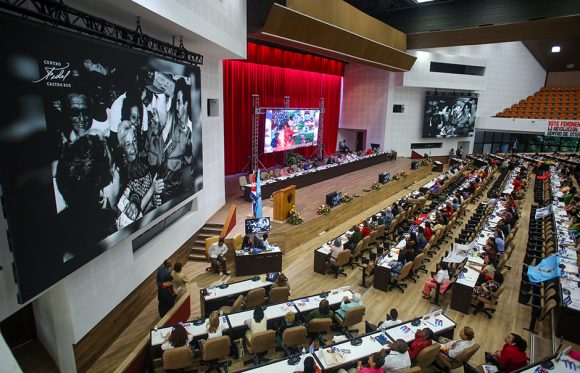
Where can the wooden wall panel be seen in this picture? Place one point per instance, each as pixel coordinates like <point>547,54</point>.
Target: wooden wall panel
<point>92,345</point>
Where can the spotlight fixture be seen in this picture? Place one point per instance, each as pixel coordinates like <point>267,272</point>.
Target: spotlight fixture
<point>423,1</point>
<point>556,49</point>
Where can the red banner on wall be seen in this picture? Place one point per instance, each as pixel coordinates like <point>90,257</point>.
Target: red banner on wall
<point>563,128</point>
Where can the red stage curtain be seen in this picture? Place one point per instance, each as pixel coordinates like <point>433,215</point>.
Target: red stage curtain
<point>272,83</point>
<point>265,55</point>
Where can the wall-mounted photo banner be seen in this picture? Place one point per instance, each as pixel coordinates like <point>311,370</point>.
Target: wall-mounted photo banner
<point>97,140</point>
<point>563,128</point>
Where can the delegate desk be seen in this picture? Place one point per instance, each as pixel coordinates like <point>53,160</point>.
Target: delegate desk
<point>569,309</point>
<point>349,354</point>
<point>197,332</point>
<point>266,261</point>
<point>279,366</point>
<point>561,364</point>
<point>321,173</point>
<point>275,312</point>
<point>211,299</point>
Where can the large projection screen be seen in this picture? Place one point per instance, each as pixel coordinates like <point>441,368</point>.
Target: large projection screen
<point>97,140</point>
<point>449,116</point>
<point>287,129</point>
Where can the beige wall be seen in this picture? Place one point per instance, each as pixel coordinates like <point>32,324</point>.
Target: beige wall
<point>563,79</point>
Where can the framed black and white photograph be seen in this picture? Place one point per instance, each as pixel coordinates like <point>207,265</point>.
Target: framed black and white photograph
<point>449,116</point>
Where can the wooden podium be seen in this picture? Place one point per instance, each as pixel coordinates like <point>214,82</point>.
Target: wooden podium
<point>284,199</point>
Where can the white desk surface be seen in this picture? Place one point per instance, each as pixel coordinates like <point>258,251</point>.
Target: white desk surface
<point>311,303</point>
<point>279,310</point>
<point>407,331</point>
<point>468,278</point>
<point>235,288</point>
<point>157,336</point>
<point>325,249</point>
<point>281,366</point>
<point>269,250</point>
<point>370,344</point>
<point>352,353</point>
<point>565,365</point>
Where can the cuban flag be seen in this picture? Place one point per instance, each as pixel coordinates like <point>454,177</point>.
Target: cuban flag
<point>256,195</point>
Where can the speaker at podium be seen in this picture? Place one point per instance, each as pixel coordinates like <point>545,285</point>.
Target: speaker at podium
<point>284,199</point>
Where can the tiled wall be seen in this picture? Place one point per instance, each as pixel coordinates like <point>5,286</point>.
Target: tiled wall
<point>364,101</point>
<point>511,74</point>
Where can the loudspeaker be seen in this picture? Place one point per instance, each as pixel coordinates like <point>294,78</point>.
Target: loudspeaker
<point>384,177</point>
<point>414,165</point>
<point>398,108</point>
<point>213,107</point>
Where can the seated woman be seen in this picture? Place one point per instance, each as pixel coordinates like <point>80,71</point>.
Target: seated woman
<point>486,272</point>
<point>435,188</point>
<point>388,216</point>
<point>375,365</point>
<point>335,249</point>
<point>178,337</point>
<point>427,230</point>
<point>281,282</point>
<point>441,278</point>
<point>512,356</point>
<point>489,287</point>
<point>256,324</point>
<point>323,311</point>
<point>247,243</point>
<point>421,239</point>
<point>213,327</point>
<point>289,322</point>
<point>423,338</point>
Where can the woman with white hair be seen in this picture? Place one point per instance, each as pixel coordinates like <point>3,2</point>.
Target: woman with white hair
<point>348,303</point>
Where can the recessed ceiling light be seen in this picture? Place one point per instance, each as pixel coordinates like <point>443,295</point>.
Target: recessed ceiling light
<point>423,1</point>
<point>570,66</point>
<point>556,49</point>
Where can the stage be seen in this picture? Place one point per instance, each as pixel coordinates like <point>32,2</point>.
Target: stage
<point>309,198</point>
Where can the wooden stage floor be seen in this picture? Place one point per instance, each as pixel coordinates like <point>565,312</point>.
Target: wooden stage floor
<point>308,198</point>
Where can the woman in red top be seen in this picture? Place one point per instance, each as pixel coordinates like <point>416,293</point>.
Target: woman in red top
<point>449,209</point>
<point>423,338</point>
<point>513,354</point>
<point>428,232</point>
<point>365,231</point>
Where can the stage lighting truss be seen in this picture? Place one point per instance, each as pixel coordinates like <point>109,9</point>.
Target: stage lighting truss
<point>57,14</point>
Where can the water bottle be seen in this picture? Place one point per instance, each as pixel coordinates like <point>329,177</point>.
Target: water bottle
<point>303,351</point>
<point>155,328</point>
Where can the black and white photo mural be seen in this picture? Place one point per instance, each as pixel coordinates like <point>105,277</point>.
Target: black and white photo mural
<point>449,115</point>
<point>97,141</point>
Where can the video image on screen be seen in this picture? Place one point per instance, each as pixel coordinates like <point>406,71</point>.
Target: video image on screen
<point>107,139</point>
<point>449,116</point>
<point>259,225</point>
<point>288,129</point>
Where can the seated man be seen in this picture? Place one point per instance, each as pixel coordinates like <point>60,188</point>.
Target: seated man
<point>397,359</point>
<point>323,311</point>
<point>454,348</point>
<point>217,253</point>
<point>347,304</point>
